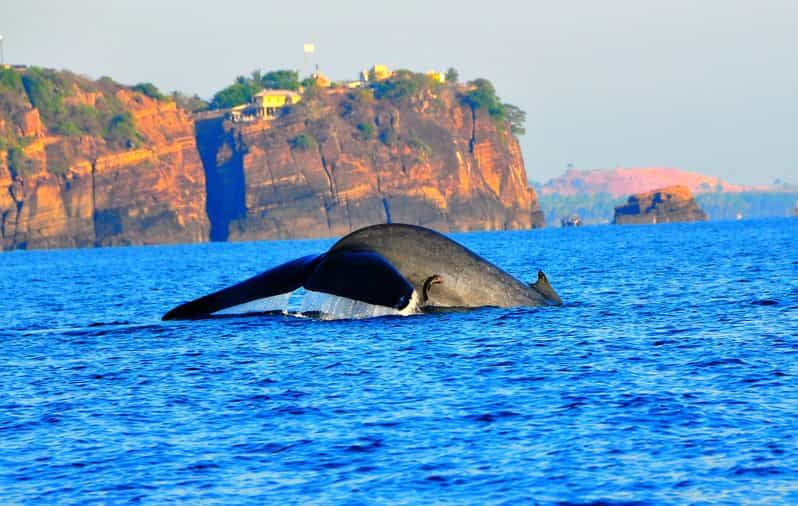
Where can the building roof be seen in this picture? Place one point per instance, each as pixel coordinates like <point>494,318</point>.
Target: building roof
<point>276,93</point>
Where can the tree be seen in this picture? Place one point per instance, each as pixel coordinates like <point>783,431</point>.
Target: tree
<point>235,94</point>
<point>281,80</point>
<point>149,90</point>
<point>482,95</point>
<point>516,117</point>
<point>452,75</point>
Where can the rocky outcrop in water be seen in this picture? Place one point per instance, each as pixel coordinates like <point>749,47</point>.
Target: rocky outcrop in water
<point>664,205</point>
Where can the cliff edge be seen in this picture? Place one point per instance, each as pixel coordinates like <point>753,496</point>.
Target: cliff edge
<point>344,159</point>
<point>93,163</point>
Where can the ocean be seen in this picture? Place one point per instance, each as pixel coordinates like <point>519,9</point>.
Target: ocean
<point>669,376</point>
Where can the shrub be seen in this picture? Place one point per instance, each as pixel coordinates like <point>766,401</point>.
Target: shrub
<point>68,128</point>
<point>149,90</point>
<point>366,130</point>
<point>402,85</point>
<point>44,92</point>
<point>86,119</point>
<point>11,80</point>
<point>121,130</point>
<point>192,103</point>
<point>304,142</point>
<point>18,163</point>
<point>452,75</point>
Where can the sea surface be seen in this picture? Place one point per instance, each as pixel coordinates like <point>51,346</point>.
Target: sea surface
<point>669,376</point>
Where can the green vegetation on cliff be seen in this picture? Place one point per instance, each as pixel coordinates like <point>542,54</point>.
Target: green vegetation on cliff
<point>242,90</point>
<point>68,104</point>
<point>404,85</point>
<point>150,90</point>
<point>304,142</point>
<point>482,95</point>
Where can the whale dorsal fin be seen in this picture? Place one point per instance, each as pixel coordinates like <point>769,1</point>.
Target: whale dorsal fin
<point>543,287</point>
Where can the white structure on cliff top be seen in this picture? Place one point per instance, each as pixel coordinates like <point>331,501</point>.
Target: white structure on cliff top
<point>265,104</point>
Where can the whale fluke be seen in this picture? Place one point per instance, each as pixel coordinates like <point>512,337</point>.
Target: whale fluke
<point>363,275</point>
<point>392,265</point>
<point>281,279</point>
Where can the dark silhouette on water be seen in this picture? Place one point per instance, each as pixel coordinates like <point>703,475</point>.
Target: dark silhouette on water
<point>404,267</point>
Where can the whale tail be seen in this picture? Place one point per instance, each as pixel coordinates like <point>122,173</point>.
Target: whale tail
<point>543,287</point>
<point>360,275</point>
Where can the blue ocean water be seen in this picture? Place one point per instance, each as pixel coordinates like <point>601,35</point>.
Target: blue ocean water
<point>670,375</point>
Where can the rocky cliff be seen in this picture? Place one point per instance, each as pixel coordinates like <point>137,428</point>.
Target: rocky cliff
<point>345,159</point>
<point>664,205</point>
<point>94,164</point>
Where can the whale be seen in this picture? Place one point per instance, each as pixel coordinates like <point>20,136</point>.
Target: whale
<point>408,268</point>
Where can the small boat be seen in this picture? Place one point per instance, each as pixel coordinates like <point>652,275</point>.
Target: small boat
<point>572,221</point>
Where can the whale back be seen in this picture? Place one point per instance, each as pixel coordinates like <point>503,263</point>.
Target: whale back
<point>468,279</point>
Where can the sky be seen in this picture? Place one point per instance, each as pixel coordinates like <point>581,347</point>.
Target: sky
<point>707,86</point>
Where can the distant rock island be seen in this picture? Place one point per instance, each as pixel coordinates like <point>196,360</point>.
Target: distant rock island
<point>593,194</point>
<point>664,205</point>
<point>620,182</point>
<point>94,163</point>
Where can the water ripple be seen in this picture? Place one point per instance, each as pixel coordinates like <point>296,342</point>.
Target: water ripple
<point>666,377</point>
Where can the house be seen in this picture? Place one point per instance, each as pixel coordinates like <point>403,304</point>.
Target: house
<point>265,104</point>
<point>437,76</point>
<point>269,102</point>
<point>376,73</point>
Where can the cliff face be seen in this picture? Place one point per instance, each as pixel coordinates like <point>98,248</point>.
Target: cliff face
<point>344,160</point>
<point>75,189</point>
<point>665,205</point>
<point>92,163</point>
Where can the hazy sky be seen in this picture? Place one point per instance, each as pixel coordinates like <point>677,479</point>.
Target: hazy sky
<point>703,85</point>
